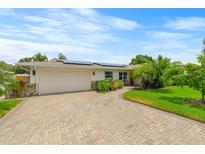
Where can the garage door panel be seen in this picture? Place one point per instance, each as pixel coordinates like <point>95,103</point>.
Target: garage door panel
<point>63,80</point>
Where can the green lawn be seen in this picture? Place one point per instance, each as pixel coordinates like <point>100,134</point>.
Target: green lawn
<point>170,99</point>
<point>7,105</point>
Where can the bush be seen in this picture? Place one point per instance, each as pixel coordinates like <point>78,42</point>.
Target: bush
<point>116,84</point>
<point>109,84</point>
<point>103,86</point>
<point>120,84</point>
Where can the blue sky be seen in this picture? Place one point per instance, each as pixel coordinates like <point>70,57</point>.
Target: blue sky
<point>105,35</point>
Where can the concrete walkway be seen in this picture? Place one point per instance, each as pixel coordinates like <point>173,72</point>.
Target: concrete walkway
<point>92,118</point>
<point>2,97</point>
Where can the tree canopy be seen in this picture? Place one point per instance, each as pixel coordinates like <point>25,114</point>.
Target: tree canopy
<point>140,59</point>
<point>6,67</point>
<point>192,75</point>
<point>151,73</point>
<point>173,72</point>
<point>25,59</point>
<point>39,57</point>
<point>61,57</point>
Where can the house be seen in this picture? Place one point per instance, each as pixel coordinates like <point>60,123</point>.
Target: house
<point>69,76</point>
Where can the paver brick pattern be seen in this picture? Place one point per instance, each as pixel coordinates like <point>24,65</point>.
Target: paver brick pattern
<point>93,118</point>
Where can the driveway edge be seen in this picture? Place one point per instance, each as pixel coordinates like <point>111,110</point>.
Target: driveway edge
<point>163,110</point>
<point>12,112</point>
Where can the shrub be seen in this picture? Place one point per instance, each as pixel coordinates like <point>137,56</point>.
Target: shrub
<point>120,84</point>
<point>106,85</point>
<point>116,84</point>
<point>103,86</point>
<point>151,73</point>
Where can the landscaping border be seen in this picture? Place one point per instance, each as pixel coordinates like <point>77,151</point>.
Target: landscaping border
<point>178,114</point>
<point>10,113</point>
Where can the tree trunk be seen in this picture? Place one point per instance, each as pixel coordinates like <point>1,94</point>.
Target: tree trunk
<point>202,95</point>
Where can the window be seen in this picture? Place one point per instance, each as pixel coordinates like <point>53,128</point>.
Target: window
<point>123,76</point>
<point>108,75</point>
<point>120,75</point>
<point>34,73</point>
<point>93,73</point>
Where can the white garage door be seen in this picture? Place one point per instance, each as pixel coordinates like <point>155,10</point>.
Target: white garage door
<point>57,80</point>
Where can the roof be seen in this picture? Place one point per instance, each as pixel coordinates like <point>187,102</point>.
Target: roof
<point>77,64</point>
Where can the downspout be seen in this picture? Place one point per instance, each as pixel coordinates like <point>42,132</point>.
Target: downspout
<point>36,81</point>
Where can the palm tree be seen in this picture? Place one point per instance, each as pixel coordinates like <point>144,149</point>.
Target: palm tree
<point>151,73</point>
<point>6,80</point>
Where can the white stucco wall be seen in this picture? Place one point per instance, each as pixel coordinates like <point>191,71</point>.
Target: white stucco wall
<point>32,77</point>
<point>100,74</point>
<point>115,74</point>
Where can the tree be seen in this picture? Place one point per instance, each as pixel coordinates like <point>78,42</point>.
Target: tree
<point>61,57</point>
<point>36,58</point>
<point>151,73</point>
<point>203,49</point>
<point>172,72</point>
<point>19,70</point>
<point>140,59</point>
<point>25,59</point>
<point>39,57</point>
<point>6,81</point>
<point>193,75</point>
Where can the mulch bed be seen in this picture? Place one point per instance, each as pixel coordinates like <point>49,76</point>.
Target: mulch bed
<point>194,102</point>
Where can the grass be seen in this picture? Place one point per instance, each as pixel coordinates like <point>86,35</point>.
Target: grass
<point>170,99</point>
<point>7,105</point>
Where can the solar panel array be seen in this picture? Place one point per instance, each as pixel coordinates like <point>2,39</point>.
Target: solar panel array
<point>77,62</point>
<point>92,63</point>
<point>111,65</point>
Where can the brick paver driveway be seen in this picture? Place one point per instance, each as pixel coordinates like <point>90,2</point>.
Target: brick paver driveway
<point>92,118</point>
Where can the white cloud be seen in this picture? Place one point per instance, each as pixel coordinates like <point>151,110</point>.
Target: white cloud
<point>12,50</point>
<point>186,23</point>
<point>84,34</point>
<point>6,12</point>
<point>176,50</point>
<point>185,56</point>
<point>108,57</point>
<point>64,25</point>
<point>175,45</point>
<point>81,31</point>
<point>167,35</point>
<point>91,13</point>
<point>161,40</point>
<point>123,24</point>
<point>108,21</point>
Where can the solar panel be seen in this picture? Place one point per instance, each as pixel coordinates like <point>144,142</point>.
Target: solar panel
<point>92,63</point>
<point>111,65</point>
<point>77,62</point>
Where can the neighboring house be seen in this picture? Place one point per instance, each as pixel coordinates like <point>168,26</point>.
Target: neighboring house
<point>66,76</point>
